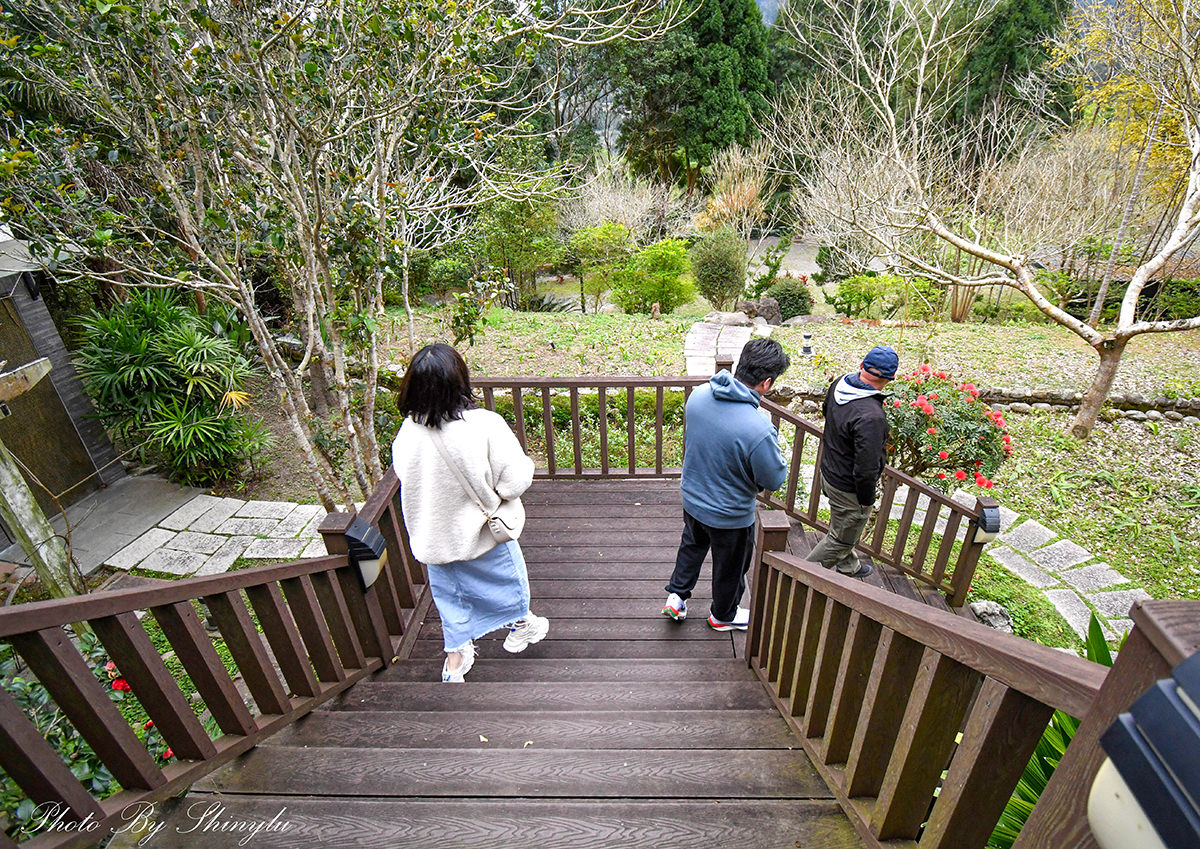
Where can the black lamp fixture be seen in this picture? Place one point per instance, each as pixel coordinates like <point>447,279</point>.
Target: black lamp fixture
<point>368,550</point>
<point>1147,793</point>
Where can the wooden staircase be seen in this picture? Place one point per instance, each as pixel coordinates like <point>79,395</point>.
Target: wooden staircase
<point>622,728</point>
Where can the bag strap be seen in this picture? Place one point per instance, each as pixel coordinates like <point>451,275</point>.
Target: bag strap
<point>436,436</point>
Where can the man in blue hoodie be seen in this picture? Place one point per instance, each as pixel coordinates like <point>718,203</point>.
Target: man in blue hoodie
<point>855,453</point>
<point>732,453</point>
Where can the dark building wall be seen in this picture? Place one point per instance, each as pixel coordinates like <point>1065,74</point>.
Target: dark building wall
<point>51,429</point>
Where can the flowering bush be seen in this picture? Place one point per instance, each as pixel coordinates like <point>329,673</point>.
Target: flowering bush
<point>941,431</point>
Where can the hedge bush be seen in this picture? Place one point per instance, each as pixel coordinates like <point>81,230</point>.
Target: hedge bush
<point>793,296</point>
<point>654,275</point>
<point>719,266</point>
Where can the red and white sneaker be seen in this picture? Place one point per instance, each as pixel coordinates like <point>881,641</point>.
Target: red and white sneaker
<point>675,608</point>
<point>741,621</point>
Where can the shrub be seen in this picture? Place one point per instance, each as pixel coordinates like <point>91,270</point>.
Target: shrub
<point>467,316</point>
<point>164,381</point>
<point>793,296</point>
<point>912,297</point>
<point>941,431</point>
<point>719,266</point>
<point>598,252</point>
<point>654,276</point>
<point>1177,299</point>
<point>772,260</point>
<point>449,273</point>
<point>858,294</point>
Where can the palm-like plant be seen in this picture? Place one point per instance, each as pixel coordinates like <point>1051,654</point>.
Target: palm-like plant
<point>170,387</point>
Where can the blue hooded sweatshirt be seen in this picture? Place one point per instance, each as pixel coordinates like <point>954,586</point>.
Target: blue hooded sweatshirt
<point>732,453</point>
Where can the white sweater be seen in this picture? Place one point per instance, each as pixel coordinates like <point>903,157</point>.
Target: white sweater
<point>444,523</point>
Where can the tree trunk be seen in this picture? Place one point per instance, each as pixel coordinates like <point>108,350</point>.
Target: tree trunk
<point>44,548</point>
<point>1110,351</point>
<point>1135,192</point>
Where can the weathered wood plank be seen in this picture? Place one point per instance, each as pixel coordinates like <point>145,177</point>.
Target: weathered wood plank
<point>302,600</point>
<point>940,696</point>
<point>559,696</point>
<point>564,649</point>
<point>625,729</point>
<point>232,618</point>
<point>614,773</point>
<point>520,668</point>
<point>1003,730</point>
<point>472,824</point>
<point>284,637</point>
<point>862,639</point>
<point>631,630</point>
<point>829,661</point>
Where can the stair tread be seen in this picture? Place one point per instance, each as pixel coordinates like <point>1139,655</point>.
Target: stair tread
<point>520,773</point>
<point>517,668</point>
<point>494,730</point>
<point>481,824</point>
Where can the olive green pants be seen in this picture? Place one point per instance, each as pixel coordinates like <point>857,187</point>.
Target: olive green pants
<point>847,519</point>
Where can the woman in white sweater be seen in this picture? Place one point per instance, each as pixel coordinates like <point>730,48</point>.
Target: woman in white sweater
<point>478,585</point>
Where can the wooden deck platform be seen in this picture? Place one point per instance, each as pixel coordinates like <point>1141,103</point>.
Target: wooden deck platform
<point>622,728</point>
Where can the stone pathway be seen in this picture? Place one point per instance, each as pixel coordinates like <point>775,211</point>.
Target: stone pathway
<point>207,535</point>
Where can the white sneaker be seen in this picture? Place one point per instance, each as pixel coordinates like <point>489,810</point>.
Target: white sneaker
<point>741,621</point>
<point>525,632</point>
<point>467,655</point>
<point>675,608</point>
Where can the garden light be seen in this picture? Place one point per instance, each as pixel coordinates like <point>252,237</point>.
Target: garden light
<point>807,350</point>
<point>367,550</point>
<point>989,522</point>
<point>1145,794</point>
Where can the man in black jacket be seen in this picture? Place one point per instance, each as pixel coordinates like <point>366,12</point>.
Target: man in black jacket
<point>856,432</point>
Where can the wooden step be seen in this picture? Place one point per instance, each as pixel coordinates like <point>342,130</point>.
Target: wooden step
<point>491,730</point>
<point>579,583</point>
<point>619,609</point>
<point>558,696</point>
<point>657,627</point>
<point>545,773</point>
<point>334,823</point>
<point>517,668</point>
<point>563,649</point>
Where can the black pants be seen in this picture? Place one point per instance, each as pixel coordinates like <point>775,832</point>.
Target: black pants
<point>732,551</point>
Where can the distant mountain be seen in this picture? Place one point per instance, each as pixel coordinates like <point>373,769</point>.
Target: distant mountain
<point>769,9</point>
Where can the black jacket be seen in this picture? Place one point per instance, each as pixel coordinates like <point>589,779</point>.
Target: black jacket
<point>856,432</point>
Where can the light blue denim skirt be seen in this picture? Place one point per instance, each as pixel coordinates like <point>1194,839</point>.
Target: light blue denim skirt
<point>474,597</point>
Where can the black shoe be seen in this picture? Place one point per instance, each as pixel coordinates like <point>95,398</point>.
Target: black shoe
<point>864,570</point>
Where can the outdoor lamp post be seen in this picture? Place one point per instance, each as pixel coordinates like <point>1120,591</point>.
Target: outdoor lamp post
<point>807,350</point>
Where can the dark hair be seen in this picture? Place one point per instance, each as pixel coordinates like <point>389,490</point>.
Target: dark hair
<point>761,359</point>
<point>436,387</point>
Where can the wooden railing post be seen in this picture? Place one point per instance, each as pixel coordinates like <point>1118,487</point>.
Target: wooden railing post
<point>968,558</point>
<point>771,535</point>
<point>365,611</point>
<point>1165,633</point>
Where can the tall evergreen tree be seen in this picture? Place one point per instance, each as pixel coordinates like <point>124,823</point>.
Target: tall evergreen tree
<point>1013,46</point>
<point>696,91</point>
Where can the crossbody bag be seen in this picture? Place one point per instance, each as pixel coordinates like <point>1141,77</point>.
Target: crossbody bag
<point>505,521</point>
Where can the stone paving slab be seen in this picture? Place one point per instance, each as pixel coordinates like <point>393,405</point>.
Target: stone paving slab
<point>141,548</point>
<point>1072,608</point>
<point>216,514</point>
<point>700,366</point>
<point>173,562</point>
<point>297,520</point>
<point>265,509</point>
<point>1093,578</point>
<point>198,543</point>
<point>315,548</point>
<point>225,555</point>
<point>252,527</point>
<point>1027,536</point>
<point>310,530</point>
<point>190,512</point>
<point>1120,627</point>
<point>274,549</point>
<point>1020,566</point>
<point>1060,555</point>
<point>1115,604</point>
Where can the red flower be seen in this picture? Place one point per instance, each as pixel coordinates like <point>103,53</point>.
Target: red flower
<point>944,455</point>
<point>925,369</point>
<point>921,399</point>
<point>110,666</point>
<point>167,755</point>
<point>932,430</point>
<point>940,374</point>
<point>988,484</point>
<point>149,724</point>
<point>960,475</point>
<point>1007,439</point>
<point>941,475</point>
<point>895,403</point>
<point>933,397</point>
<point>120,684</point>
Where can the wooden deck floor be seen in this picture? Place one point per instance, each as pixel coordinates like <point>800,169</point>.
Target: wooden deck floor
<point>622,728</point>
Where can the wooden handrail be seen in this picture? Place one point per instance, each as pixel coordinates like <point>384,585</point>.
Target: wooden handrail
<point>920,721</point>
<point>1063,681</point>
<point>323,630</point>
